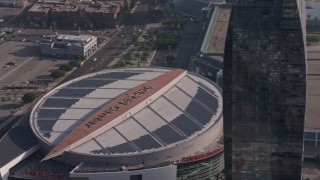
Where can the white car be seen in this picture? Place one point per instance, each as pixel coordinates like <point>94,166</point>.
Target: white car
<point>94,59</point>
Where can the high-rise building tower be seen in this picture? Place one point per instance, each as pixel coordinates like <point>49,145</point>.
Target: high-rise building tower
<point>264,89</point>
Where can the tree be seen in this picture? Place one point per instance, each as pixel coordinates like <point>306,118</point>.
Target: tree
<point>132,3</point>
<point>164,40</point>
<point>137,56</point>
<point>54,25</point>
<point>66,67</point>
<point>155,15</point>
<point>58,73</point>
<point>29,97</point>
<point>169,60</point>
<point>73,63</point>
<point>123,16</point>
<point>313,38</point>
<point>144,59</point>
<point>125,4</point>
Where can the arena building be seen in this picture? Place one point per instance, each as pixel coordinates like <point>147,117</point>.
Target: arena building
<point>68,45</point>
<point>128,124</point>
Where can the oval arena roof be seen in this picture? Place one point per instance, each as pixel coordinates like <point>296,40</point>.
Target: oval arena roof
<point>126,112</point>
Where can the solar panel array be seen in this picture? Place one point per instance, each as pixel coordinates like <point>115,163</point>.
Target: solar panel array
<point>53,102</point>
<point>50,113</point>
<point>91,83</point>
<point>186,125</point>
<point>45,125</point>
<point>73,92</point>
<point>206,98</point>
<point>198,112</point>
<point>115,75</point>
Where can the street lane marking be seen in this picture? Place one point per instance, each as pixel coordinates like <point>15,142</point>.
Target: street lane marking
<point>16,68</point>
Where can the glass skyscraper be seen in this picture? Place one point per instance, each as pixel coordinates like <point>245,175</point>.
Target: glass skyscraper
<point>264,89</point>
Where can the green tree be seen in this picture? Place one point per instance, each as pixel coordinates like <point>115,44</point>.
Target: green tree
<point>313,38</point>
<point>73,63</point>
<point>65,67</point>
<point>132,3</point>
<point>167,39</point>
<point>169,60</point>
<point>58,73</point>
<point>137,56</point>
<point>155,15</point>
<point>125,4</point>
<point>81,58</point>
<point>123,16</point>
<point>144,59</point>
<point>54,26</point>
<point>29,97</point>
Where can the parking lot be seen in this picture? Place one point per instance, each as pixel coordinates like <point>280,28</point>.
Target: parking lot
<point>7,13</point>
<point>26,73</point>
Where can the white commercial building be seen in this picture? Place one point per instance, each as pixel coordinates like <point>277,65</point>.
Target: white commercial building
<point>68,45</point>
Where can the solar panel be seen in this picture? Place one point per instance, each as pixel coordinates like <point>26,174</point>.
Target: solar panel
<point>122,148</point>
<point>185,124</point>
<point>146,142</point>
<point>73,92</point>
<point>53,102</point>
<point>45,125</point>
<point>198,112</point>
<point>207,99</point>
<point>168,135</point>
<point>50,113</point>
<point>91,83</point>
<point>115,75</point>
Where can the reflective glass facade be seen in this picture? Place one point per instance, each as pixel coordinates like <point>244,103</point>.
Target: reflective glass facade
<point>264,89</point>
<point>206,169</point>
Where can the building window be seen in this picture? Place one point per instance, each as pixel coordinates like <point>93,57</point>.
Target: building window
<point>136,177</point>
<point>309,135</point>
<point>310,142</point>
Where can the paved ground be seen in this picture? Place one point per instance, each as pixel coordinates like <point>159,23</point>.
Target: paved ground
<point>313,87</point>
<point>28,67</point>
<point>311,170</point>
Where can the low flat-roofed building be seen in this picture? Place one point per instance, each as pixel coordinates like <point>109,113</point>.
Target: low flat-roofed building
<point>68,45</point>
<point>312,124</point>
<point>208,61</point>
<point>38,14</point>
<point>86,14</point>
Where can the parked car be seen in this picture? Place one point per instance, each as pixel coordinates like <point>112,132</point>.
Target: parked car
<point>11,63</point>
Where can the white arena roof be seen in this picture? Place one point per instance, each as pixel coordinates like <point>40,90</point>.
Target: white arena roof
<point>130,112</point>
